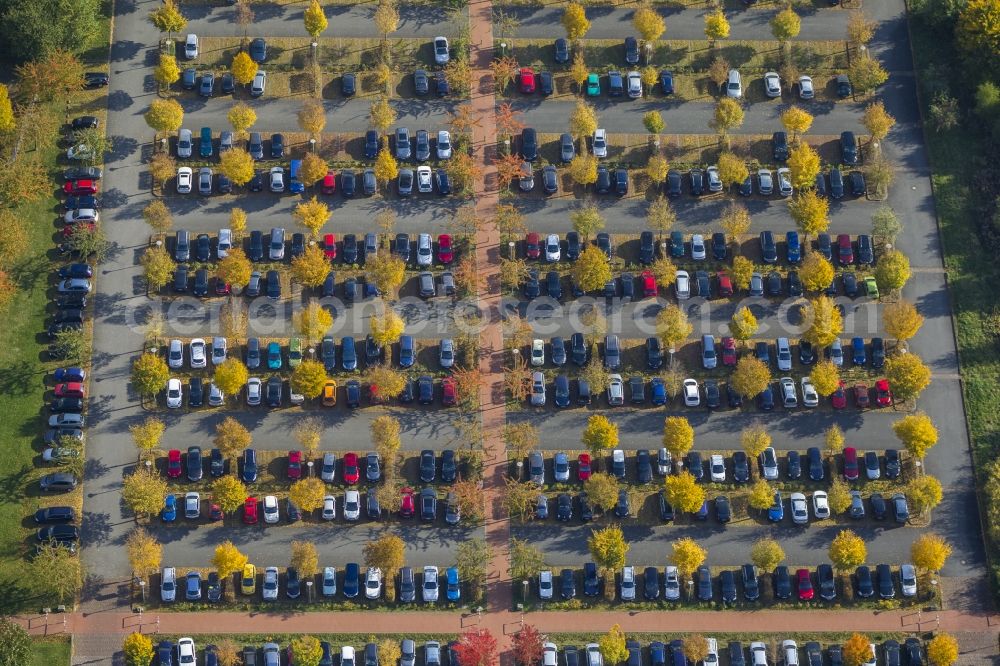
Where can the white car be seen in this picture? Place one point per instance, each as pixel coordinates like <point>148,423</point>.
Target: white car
<point>346,656</point>
<point>373,583</point>
<point>712,658</point>
<point>329,581</point>
<point>553,252</point>
<point>810,398</point>
<point>717,465</point>
<point>600,142</point>
<point>806,87</point>
<point>443,146</point>
<point>424,184</point>
<point>545,584</point>
<point>175,394</point>
<point>789,398</point>
<point>800,510</point>
<point>692,397</point>
<point>616,390</point>
<point>225,243</point>
<point>219,348</point>
<point>821,506</point>
<point>758,654</point>
<point>81,215</point>
<point>168,584</point>
<point>671,584</point>
<point>175,354</point>
<point>791,652</point>
<point>772,84</point>
<point>192,505</point>
<point>441,54</point>
<point>634,85</point>
<point>425,250</point>
<point>714,181</point>
<point>908,580</point>
<point>185,651</point>
<point>765,182</point>
<point>329,507</point>
<point>270,587</point>
<point>352,505</point>
<point>627,591</point>
<point>734,85</point>
<point>537,352</point>
<point>785,182</point>
<point>254,385</point>
<point>873,660</point>
<point>191,46</point>
<point>184,177</point>
<point>429,590</point>
<point>198,357</point>
<point>682,283</point>
<point>79,152</point>
<point>184,143</point>
<point>277,179</point>
<point>270,506</point>
<point>550,654</point>
<point>259,83</point>
<point>215,396</point>
<point>698,247</point>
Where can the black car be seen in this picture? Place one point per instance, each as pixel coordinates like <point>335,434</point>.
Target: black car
<point>666,510</point>
<point>824,246</point>
<point>773,283</point>
<point>751,584</point>
<point>782,582</point>
<point>572,246</point>
<point>912,654</point>
<point>673,184</point>
<point>836,183</point>
<point>529,144</point>
<point>746,187</point>
<point>564,507</point>
<point>216,463</point>
<point>66,406</point>
<point>545,83</point>
<point>843,86</point>
<point>827,583</point>
<point>196,392</point>
<point>441,87</point>
<point>277,146</point>
<point>425,396</point>
<point>667,82</point>
<point>713,397</point>
<point>621,182</point>
<point>567,586</point>
<point>814,654</point>
<point>258,50</point>
<point>55,514</point>
<point>850,281</point>
<point>348,84</point>
<point>623,508</point>
<point>249,474</point>
<point>194,466</point>
<point>449,466</point>
<point>858,187</point>
<point>273,285</point>
<point>604,243</point>
<point>298,246</point>
<point>727,581</point>
<point>647,248</point>
<point>95,80</point>
<point>348,183</point>
<point>765,399</point>
<point>864,586</point>
<point>848,148</point>
<point>532,287</point>
<point>879,509</point>
<point>794,464</point>
<point>256,250</point>
<point>631,51</point>
<point>779,146</point>
<point>228,83</point>
<point>866,254</point>
<point>578,349</point>
<point>807,353</point>
<point>562,50</point>
<point>420,82</point>
<point>816,472</point>
<point>820,184</point>
<point>654,353</point>
<point>697,182</point>
<point>651,583</point>
<point>428,504</point>
<point>768,247</point>
<point>591,580</point>
<point>892,463</point>
<point>371,144</point>
<point>428,466</point>
<point>272,391</point>
<point>695,466</point>
<point>794,284</point>
<point>558,351</point>
<point>203,248</point>
<point>603,183</point>
<point>741,467</point>
<point>561,391</point>
<point>553,285</point>
<point>643,464</point>
<point>719,248</point>
<point>723,512</point>
<point>637,390</point>
<point>883,577</point>
<point>704,583</point>
<point>373,351</point>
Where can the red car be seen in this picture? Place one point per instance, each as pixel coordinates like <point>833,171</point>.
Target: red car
<point>173,463</point>
<point>330,246</point>
<point>214,512</point>
<point>729,355</point>
<point>850,464</point>
<point>250,511</point>
<point>583,466</point>
<point>861,398</point>
<point>222,288</point>
<point>449,394</point>
<point>725,285</point>
<point>532,246</point>
<point>80,187</point>
<point>374,396</point>
<point>351,468</point>
<point>406,505</point>
<point>294,465</point>
<point>70,390</point>
<point>445,252</point>
<point>883,396</point>
<point>845,251</point>
<point>805,585</point>
<point>527,79</point>
<point>839,397</point>
<point>329,183</point>
<point>648,284</point>
<point>70,228</point>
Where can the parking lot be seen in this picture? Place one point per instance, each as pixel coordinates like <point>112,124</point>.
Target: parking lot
<point>121,292</point>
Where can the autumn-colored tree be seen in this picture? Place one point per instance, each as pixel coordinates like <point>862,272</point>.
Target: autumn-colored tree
<point>602,490</point>
<point>231,437</point>
<point>7,120</point>
<point>519,499</point>
<point>147,435</point>
<point>389,381</point>
<point>683,492</point>
<point>574,21</point>
<point>237,165</point>
<point>825,377</point>
<point>389,650</point>
<point>825,321</point>
<point>608,547</point>
<point>149,374</point>
<point>612,645</point>
<point>157,216</point>
<point>838,495</point>
<point>386,168</point>
<point>743,324</point>
<point>168,18</point>
<point>833,438</point>
<point>653,120</point>
<point>381,115</point>
<point>754,440</point>
<point>803,161</point>
<point>144,491</point>
<point>312,214</point>
<point>477,647</point>
<point>678,435</point>
<point>917,433</point>
<point>314,19</point>
<point>859,29</point>
<point>311,267</point>
<point>504,72</point>
<point>308,433</point>
<point>695,648</point>
<point>386,327</point>
<point>305,559</point>
<point>587,220</point>
<point>892,270</point>
<point>162,167</point>
<point>942,650</point>
<point>657,168</point>
<point>243,68</point>
<point>583,119</point>
<point>716,26</point>
<point>144,552</point>
<point>866,73</point>
<point>307,649</point>
<point>907,374</point>
<point>930,551</point>
<point>386,271</point>
<point>578,71</point>
<point>766,553</point>
<point>308,493</point>
<point>137,649</point>
<point>664,271</point>
<point>313,169</point>
<point>600,436</point>
<point>235,268</point>
<point>527,646</point>
<point>728,116</point>
<point>227,560</point>
<point>924,493</point>
<point>386,17</point>
<point>847,551</point>
<point>877,120</point>
<point>648,23</point>
<point>733,171</point>
<point>164,115</point>
<point>687,556</point>
<point>309,378</point>
<point>230,376</point>
<point>672,326</point>
<point>241,117</point>
<point>785,25</point>
<point>796,121</point>
<point>750,377</point>
<point>901,320</point>
<point>592,270</point>
<point>167,72</point>
<point>816,272</point>
<point>761,495</point>
<point>582,169</point>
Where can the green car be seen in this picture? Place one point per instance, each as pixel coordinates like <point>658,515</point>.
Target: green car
<point>294,352</point>
<point>871,287</point>
<point>593,85</point>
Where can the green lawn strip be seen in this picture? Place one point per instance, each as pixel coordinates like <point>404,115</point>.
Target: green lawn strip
<point>774,640</point>
<point>358,641</point>
<point>53,651</point>
<point>971,266</point>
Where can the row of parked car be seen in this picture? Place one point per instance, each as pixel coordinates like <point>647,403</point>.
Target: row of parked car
<point>866,583</point>
<point>184,651</point>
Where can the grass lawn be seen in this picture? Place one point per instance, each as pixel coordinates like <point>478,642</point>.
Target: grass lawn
<point>50,652</point>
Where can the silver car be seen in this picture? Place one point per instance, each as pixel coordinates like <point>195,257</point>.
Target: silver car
<point>765,183</point>
<point>567,149</point>
<point>446,356</point>
<point>204,181</point>
<point>537,389</point>
<point>259,83</point>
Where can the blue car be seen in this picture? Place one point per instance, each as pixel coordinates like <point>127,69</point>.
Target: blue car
<point>793,247</point>
<point>273,356</point>
<point>165,654</point>
<point>858,351</point>
<point>658,391</point>
<point>169,512</point>
<point>777,511</point>
<point>454,586</point>
<point>70,375</point>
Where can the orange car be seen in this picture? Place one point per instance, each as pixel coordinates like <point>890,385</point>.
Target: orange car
<point>330,393</point>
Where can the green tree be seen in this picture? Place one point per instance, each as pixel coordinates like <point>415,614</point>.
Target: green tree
<point>602,490</point>
<point>525,559</point>
<point>661,215</point>
<point>892,270</point>
<point>653,121</point>
<point>144,491</point>
<point>472,557</point>
<point>866,73</point>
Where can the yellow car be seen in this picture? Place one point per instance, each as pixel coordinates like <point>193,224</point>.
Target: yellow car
<point>248,582</point>
<point>330,393</point>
